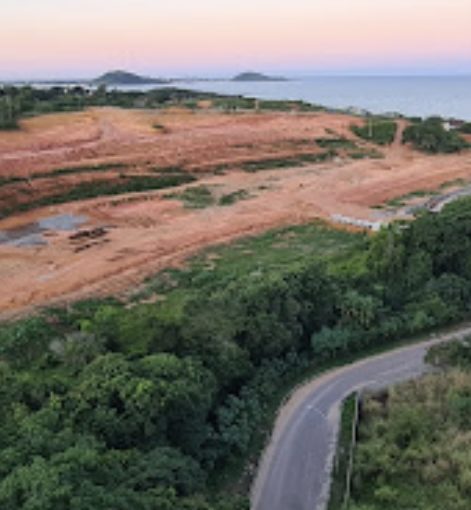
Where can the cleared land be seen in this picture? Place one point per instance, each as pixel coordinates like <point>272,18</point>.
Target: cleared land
<point>253,171</point>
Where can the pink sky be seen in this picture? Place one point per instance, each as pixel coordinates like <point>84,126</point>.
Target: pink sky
<point>82,37</point>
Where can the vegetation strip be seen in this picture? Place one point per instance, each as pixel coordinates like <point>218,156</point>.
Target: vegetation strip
<point>94,189</point>
<point>21,102</point>
<point>287,162</point>
<point>57,172</point>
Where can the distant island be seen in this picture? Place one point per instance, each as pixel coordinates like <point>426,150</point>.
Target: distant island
<point>252,76</point>
<point>126,78</point>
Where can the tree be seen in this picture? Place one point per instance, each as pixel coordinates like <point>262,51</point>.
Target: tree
<point>431,136</point>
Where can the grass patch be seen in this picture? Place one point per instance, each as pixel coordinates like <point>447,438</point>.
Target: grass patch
<point>160,128</point>
<point>232,198</point>
<point>286,106</point>
<point>454,182</point>
<point>220,169</point>
<point>366,154</point>
<point>234,103</point>
<point>336,143</point>
<point>197,197</point>
<point>86,190</point>
<point>274,252</point>
<point>381,132</point>
<point>167,170</point>
<point>103,167</point>
<point>57,172</point>
<point>288,162</point>
<point>402,200</point>
<point>4,181</point>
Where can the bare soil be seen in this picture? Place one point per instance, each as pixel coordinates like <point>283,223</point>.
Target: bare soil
<point>148,231</point>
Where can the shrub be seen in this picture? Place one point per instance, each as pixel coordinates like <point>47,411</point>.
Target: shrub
<point>430,136</point>
<point>465,128</point>
<point>381,132</point>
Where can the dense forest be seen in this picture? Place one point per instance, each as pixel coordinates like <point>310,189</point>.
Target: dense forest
<point>414,447</point>
<point>155,403</point>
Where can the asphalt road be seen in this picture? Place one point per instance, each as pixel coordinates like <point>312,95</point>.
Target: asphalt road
<point>294,473</point>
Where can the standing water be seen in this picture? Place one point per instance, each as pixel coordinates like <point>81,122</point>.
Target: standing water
<point>32,233</point>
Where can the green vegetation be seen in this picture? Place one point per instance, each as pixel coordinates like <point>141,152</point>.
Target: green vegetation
<point>403,199</point>
<point>197,197</point>
<point>336,143</point>
<point>465,128</point>
<point>158,403</point>
<point>343,455</point>
<point>160,127</point>
<point>267,256</point>
<point>20,102</point>
<point>4,181</point>
<point>103,167</point>
<point>85,190</point>
<point>9,113</point>
<point>126,78</point>
<point>455,354</point>
<point>415,440</point>
<point>287,106</point>
<point>232,198</point>
<point>288,162</point>
<point>365,153</point>
<point>379,131</point>
<point>430,136</point>
<point>234,103</point>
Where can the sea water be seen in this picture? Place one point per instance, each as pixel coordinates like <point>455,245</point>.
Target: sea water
<point>422,96</point>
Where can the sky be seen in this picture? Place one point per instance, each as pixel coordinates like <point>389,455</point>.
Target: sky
<point>83,38</point>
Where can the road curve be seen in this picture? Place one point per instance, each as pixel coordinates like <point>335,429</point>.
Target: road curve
<point>294,473</point>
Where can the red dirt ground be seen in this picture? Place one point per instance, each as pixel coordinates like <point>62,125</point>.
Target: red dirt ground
<point>149,231</point>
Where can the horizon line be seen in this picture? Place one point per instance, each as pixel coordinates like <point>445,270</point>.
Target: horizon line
<point>226,77</point>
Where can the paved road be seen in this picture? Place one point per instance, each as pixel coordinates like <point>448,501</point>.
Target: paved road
<point>295,470</point>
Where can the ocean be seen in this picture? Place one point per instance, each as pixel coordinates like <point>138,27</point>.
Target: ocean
<point>411,96</point>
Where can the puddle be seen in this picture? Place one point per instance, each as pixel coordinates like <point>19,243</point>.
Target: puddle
<point>32,234</point>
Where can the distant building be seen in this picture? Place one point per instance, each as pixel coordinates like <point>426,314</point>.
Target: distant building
<point>358,111</point>
<point>392,115</point>
<point>452,124</point>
